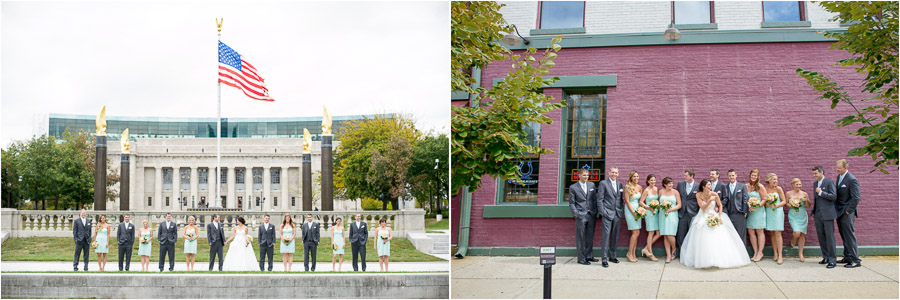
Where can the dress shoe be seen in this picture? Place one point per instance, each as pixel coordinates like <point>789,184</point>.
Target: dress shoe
<point>854,264</point>
<point>614,260</point>
<point>584,263</point>
<point>843,261</point>
<point>605,265</point>
<point>593,260</point>
<point>76,269</point>
<point>830,265</point>
<point>823,262</point>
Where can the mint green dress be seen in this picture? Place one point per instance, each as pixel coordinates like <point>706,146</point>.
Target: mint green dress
<point>798,219</point>
<point>668,225</point>
<point>190,247</point>
<point>774,216</point>
<point>338,239</point>
<point>102,239</point>
<point>384,246</point>
<point>756,219</point>
<point>629,217</point>
<point>651,219</point>
<point>287,248</point>
<point>145,248</point>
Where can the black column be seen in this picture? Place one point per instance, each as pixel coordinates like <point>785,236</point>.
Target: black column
<point>100,174</point>
<point>327,177</point>
<point>124,195</point>
<point>307,182</point>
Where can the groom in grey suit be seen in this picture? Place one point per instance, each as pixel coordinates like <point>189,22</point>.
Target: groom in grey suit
<point>216,239</point>
<point>266,240</point>
<point>689,207</point>
<point>845,206</point>
<point>81,231</point>
<point>824,214</point>
<point>310,242</point>
<point>735,204</point>
<point>167,236</point>
<point>609,202</point>
<point>582,197</point>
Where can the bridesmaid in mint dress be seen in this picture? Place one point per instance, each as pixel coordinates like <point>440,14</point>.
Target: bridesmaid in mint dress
<point>337,244</point>
<point>756,218</point>
<point>383,237</point>
<point>144,248</point>
<point>190,235</point>
<point>668,218</point>
<point>798,217</point>
<point>650,195</point>
<point>775,216</point>
<point>101,238</point>
<point>287,235</point>
<point>632,190</point>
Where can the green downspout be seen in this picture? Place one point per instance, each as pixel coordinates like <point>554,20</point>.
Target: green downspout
<point>464,220</point>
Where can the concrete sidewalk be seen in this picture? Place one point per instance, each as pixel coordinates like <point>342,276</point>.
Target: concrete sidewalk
<point>522,277</point>
<point>113,266</point>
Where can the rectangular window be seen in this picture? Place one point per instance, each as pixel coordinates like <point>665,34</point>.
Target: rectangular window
<point>526,191</point>
<point>257,201</point>
<point>276,176</point>
<point>561,14</point>
<point>167,201</point>
<point>692,12</point>
<point>239,176</point>
<point>185,178</point>
<point>585,138</point>
<point>203,175</point>
<point>223,178</point>
<point>783,11</point>
<point>149,201</point>
<point>274,201</point>
<point>167,175</point>
<point>257,176</point>
<point>293,201</point>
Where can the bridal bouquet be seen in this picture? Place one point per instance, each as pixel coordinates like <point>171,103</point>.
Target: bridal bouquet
<point>640,213</point>
<point>795,204</point>
<point>94,244</point>
<point>144,240</point>
<point>654,205</point>
<point>773,200</point>
<point>384,236</point>
<point>755,203</point>
<point>665,205</point>
<point>190,235</point>
<point>286,240</point>
<point>249,240</point>
<point>712,220</point>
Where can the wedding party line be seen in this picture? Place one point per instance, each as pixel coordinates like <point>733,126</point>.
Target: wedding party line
<point>708,224</point>
<point>241,255</point>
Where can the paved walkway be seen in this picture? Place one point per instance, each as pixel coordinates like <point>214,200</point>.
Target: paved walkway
<point>521,277</point>
<point>113,265</point>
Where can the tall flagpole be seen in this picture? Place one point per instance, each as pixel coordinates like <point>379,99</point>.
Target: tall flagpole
<point>219,131</point>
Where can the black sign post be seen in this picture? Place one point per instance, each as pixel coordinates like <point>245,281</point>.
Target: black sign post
<point>548,259</point>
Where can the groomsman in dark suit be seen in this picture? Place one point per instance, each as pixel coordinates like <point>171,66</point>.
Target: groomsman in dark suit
<point>82,232</point>
<point>735,204</point>
<point>689,207</point>
<point>845,205</point>
<point>266,240</point>
<point>609,203</point>
<point>125,237</point>
<point>216,238</point>
<point>359,235</point>
<point>824,214</point>
<point>582,196</point>
<point>310,242</point>
<point>167,236</point>
<point>717,187</point>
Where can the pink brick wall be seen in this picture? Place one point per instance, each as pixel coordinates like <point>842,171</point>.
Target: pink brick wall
<point>719,106</point>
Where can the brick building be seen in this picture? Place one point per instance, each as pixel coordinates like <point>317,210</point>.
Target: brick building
<point>724,95</point>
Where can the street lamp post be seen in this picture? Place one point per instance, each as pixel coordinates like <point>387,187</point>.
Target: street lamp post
<point>437,201</point>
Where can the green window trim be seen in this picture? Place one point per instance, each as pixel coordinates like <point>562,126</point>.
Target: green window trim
<point>526,211</point>
<point>782,24</point>
<point>578,82</point>
<point>555,31</point>
<point>697,26</point>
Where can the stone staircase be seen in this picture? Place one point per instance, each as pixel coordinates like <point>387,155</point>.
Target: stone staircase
<point>441,243</point>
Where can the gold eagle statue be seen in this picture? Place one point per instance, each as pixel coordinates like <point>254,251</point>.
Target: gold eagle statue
<point>307,141</point>
<point>326,122</point>
<point>126,144</point>
<point>101,122</point>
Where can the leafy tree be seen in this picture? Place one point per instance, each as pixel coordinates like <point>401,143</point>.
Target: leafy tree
<point>427,183</point>
<point>489,136</point>
<point>389,167</point>
<point>361,142</point>
<point>10,176</point>
<point>871,40</point>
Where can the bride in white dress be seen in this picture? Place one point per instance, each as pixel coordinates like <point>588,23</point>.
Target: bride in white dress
<point>240,255</point>
<point>718,246</point>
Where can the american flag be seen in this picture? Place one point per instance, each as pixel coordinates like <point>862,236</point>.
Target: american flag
<point>240,74</point>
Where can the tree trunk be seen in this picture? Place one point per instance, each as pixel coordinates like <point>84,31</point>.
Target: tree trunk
<point>383,203</point>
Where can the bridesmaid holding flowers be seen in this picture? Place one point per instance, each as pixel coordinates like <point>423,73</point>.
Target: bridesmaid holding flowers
<point>190,236</point>
<point>383,237</point>
<point>634,213</point>
<point>756,218</point>
<point>650,202</point>
<point>775,215</point>
<point>670,202</point>
<point>144,248</point>
<point>797,216</point>
<point>101,242</point>
<point>287,239</point>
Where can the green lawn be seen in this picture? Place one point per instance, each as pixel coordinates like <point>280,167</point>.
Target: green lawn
<point>63,249</point>
<point>431,224</point>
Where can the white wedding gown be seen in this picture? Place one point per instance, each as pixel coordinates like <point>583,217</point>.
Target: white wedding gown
<point>705,247</point>
<point>240,256</point>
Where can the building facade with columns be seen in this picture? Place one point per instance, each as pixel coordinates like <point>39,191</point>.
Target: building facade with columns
<point>172,161</point>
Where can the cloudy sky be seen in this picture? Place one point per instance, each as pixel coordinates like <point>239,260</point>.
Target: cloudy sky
<point>160,59</point>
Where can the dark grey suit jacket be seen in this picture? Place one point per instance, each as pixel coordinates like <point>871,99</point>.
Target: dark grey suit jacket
<point>737,202</point>
<point>266,236</point>
<point>824,208</point>
<point>721,190</point>
<point>125,236</point>
<point>167,235</point>
<point>609,199</point>
<point>688,199</point>
<point>847,195</point>
<point>215,235</point>
<point>582,204</point>
<point>359,235</point>
<point>81,231</point>
<point>310,234</point>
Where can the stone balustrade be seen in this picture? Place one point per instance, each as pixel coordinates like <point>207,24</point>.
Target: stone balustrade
<point>58,223</point>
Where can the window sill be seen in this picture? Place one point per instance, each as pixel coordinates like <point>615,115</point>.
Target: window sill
<point>785,24</point>
<point>852,22</point>
<point>697,26</point>
<point>558,31</point>
<point>526,211</point>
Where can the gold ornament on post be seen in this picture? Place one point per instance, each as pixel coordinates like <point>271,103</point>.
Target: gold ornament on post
<point>307,141</point>
<point>326,122</point>
<point>219,24</point>
<point>126,144</point>
<point>101,122</point>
